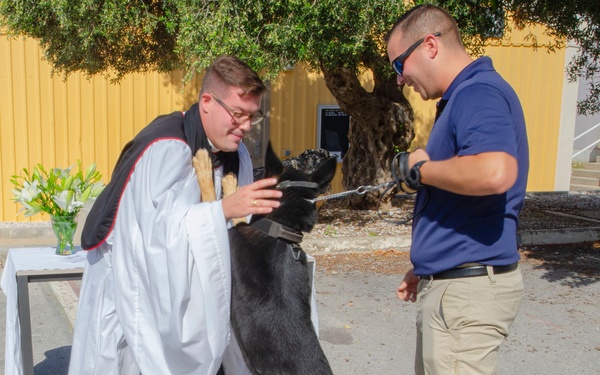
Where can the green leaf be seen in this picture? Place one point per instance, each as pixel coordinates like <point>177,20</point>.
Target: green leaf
<point>86,194</point>
<point>90,171</point>
<point>68,183</point>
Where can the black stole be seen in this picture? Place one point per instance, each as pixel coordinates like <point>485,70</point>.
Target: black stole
<point>188,128</point>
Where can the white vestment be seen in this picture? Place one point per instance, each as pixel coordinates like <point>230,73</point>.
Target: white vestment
<point>155,296</point>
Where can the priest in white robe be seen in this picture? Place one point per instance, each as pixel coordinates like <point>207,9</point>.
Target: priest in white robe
<point>155,296</point>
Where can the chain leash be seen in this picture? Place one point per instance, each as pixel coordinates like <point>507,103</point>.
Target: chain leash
<point>361,190</point>
<point>400,159</point>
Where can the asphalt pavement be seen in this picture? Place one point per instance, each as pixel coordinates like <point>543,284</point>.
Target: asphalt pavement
<point>365,329</point>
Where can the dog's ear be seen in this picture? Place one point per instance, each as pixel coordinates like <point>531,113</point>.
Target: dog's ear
<point>324,174</point>
<point>273,166</point>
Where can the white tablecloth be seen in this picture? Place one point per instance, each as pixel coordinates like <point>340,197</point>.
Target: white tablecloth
<point>27,259</point>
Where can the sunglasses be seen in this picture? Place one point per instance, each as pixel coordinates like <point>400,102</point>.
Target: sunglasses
<point>398,63</point>
<point>241,117</point>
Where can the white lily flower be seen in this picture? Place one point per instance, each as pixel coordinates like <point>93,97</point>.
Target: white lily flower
<point>66,202</point>
<point>29,191</point>
<point>61,200</point>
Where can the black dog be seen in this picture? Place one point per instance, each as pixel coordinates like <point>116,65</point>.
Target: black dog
<point>271,295</point>
<point>306,162</point>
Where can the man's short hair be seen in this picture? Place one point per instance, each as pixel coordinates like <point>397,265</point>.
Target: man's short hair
<point>426,19</point>
<point>228,71</point>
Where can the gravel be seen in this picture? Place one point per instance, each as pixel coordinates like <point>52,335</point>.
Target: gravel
<point>551,210</point>
<point>555,210</point>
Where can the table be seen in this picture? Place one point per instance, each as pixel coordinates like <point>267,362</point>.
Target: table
<point>23,266</point>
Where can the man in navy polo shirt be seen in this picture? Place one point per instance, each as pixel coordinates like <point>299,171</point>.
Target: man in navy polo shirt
<point>471,181</point>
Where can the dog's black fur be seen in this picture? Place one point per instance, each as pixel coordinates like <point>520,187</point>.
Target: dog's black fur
<point>271,295</point>
<point>306,162</point>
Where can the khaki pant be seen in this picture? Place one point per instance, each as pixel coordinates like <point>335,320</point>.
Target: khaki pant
<point>462,322</point>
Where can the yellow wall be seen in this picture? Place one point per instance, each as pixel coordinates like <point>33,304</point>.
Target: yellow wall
<point>44,119</point>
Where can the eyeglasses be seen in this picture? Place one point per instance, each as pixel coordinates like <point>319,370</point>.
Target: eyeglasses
<point>398,63</point>
<point>241,117</point>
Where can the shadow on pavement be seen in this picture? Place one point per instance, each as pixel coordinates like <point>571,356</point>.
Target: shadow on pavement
<point>574,265</point>
<point>56,362</point>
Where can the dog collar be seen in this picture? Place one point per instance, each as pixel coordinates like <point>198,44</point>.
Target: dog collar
<point>276,230</point>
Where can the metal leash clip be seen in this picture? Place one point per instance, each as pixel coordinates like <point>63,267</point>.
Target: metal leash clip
<point>361,190</point>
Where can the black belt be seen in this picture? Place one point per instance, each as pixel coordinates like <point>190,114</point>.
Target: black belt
<point>471,271</point>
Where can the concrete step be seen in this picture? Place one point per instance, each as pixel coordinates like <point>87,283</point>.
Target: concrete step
<point>578,187</point>
<point>588,181</point>
<point>584,172</point>
<point>595,166</point>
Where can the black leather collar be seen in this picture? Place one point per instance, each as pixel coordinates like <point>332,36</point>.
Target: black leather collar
<point>302,184</point>
<point>276,230</point>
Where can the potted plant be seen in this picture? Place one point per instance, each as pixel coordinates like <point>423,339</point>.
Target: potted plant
<point>60,194</point>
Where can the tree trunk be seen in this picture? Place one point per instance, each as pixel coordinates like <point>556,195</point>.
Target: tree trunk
<point>381,125</point>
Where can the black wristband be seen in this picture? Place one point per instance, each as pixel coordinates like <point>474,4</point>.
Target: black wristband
<point>413,179</point>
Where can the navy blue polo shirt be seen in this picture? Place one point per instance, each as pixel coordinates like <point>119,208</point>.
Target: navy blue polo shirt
<point>482,114</point>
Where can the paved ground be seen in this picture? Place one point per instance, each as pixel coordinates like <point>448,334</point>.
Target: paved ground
<point>364,329</point>
<point>52,307</point>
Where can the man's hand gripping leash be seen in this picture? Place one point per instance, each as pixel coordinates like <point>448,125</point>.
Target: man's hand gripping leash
<point>405,176</point>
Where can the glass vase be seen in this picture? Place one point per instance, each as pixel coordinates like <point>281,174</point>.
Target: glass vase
<point>64,227</point>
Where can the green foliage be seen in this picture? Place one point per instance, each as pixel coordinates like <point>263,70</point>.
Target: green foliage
<point>121,36</point>
<point>577,21</point>
<point>477,20</point>
<point>117,37</point>
<point>330,231</point>
<point>275,34</point>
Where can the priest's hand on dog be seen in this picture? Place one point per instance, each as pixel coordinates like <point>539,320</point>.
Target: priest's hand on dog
<point>253,199</point>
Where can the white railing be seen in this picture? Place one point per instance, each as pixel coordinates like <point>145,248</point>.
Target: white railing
<point>593,144</point>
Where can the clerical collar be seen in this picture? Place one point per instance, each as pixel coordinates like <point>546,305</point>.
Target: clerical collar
<point>213,149</point>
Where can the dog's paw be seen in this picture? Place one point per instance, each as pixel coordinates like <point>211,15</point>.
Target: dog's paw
<point>203,164</point>
<point>204,174</point>
<point>238,220</point>
<point>229,184</point>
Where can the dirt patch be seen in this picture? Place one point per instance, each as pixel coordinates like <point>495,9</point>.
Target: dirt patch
<point>541,211</point>
<point>386,262</point>
<point>575,260</point>
<point>580,260</point>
